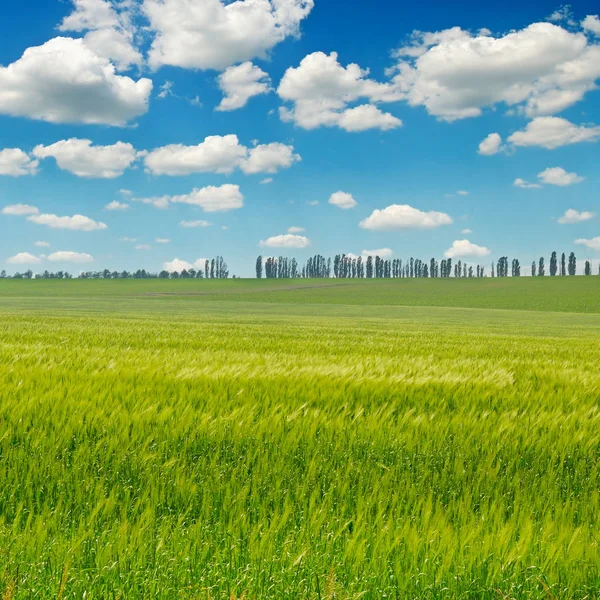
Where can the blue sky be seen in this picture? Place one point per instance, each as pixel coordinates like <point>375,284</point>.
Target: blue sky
<point>367,117</point>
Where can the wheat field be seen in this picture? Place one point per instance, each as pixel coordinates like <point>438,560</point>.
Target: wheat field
<point>181,444</point>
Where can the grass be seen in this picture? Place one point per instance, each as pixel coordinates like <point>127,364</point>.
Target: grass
<point>266,442</point>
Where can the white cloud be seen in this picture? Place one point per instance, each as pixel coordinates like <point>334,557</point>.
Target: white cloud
<point>177,265</point>
<point>287,240</point>
<point>462,192</point>
<point>492,144</point>
<point>296,230</point>
<point>125,192</point>
<point>216,154</point>
<point>128,239</point>
<point>143,247</point>
<point>63,81</point>
<point>381,252</point>
<point>84,160</point>
<point>220,154</point>
<point>454,74</point>
<point>15,162</point>
<point>210,199</point>
<point>591,23</point>
<point>320,90</point>
<point>23,258</point>
<point>162,241</point>
<point>464,248</point>
<point>72,257</point>
<point>553,132</point>
<point>593,244</point>
<point>198,223</point>
<point>342,200</point>
<point>466,231</point>
<point>20,210</point>
<point>403,216</point>
<point>215,34</point>
<point>558,176</point>
<point>213,199</point>
<point>110,33</point>
<point>573,216</point>
<point>269,158</point>
<point>367,116</point>
<point>312,202</point>
<point>116,205</point>
<point>240,83</point>
<point>75,223</point>
<point>266,180</point>
<point>42,244</point>
<point>526,185</point>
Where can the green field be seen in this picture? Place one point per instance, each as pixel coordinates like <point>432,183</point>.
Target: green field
<point>300,439</point>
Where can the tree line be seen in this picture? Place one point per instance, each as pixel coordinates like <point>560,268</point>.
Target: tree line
<point>341,267</point>
<point>215,268</point>
<point>374,267</point>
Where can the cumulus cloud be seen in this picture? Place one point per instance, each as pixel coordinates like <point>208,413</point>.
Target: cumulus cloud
<point>464,248</point>
<point>381,252</point>
<point>240,83</point>
<point>23,258</point>
<point>403,216</point>
<point>42,244</point>
<point>492,144</point>
<point>84,160</point>
<point>266,180</point>
<point>210,199</point>
<point>592,244</point>
<point>592,24</point>
<point>110,33</point>
<point>64,81</point>
<point>20,210</point>
<point>197,223</point>
<point>74,223</point>
<point>553,132</point>
<point>574,216</point>
<point>558,176</point>
<point>177,265</point>
<point>342,200</point>
<point>116,205</point>
<point>269,158</point>
<point>526,185</point>
<point>216,154</point>
<point>162,241</point>
<point>15,163</point>
<point>296,230</point>
<point>72,257</point>
<point>320,90</point>
<point>215,34</point>
<point>466,231</point>
<point>454,74</point>
<point>220,154</point>
<point>286,240</point>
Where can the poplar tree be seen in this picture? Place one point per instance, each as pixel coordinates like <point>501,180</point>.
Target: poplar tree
<point>553,264</point>
<point>572,264</point>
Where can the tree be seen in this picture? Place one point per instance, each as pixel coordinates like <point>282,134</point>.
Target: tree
<point>369,267</point>
<point>533,269</point>
<point>563,267</point>
<point>588,267</point>
<point>572,264</point>
<point>259,268</point>
<point>541,270</point>
<point>553,264</point>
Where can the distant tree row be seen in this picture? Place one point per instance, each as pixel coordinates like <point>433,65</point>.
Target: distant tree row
<point>215,268</point>
<point>358,267</point>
